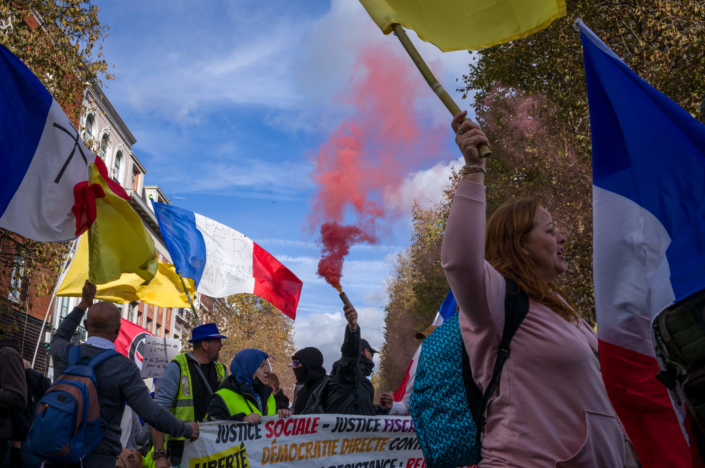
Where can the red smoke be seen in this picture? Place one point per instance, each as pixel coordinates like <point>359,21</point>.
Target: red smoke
<point>336,240</point>
<point>371,151</point>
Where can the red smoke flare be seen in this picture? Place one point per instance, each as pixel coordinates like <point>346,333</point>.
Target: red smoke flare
<point>336,240</point>
<point>369,154</point>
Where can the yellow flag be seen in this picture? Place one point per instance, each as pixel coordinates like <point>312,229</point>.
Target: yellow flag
<point>469,24</point>
<point>118,241</point>
<point>164,290</point>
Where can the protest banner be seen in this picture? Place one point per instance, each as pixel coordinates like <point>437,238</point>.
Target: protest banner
<point>322,441</point>
<point>158,353</point>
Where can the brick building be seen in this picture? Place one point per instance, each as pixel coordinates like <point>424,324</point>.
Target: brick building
<point>104,132</point>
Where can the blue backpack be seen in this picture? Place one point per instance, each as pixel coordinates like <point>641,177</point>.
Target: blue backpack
<point>447,420</point>
<point>66,427</point>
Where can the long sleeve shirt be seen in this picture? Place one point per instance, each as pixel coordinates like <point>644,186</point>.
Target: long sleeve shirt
<point>551,409</point>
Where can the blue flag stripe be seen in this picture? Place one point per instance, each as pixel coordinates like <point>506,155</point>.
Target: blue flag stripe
<point>24,106</point>
<point>449,306</point>
<point>649,150</point>
<point>183,240</point>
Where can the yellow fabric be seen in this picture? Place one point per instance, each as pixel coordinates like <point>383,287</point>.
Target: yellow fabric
<point>182,406</point>
<point>237,403</point>
<point>164,290</point>
<point>118,241</point>
<point>471,24</point>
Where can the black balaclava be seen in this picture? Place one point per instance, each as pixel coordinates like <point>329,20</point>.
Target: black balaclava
<point>310,375</point>
<point>301,374</point>
<point>366,365</point>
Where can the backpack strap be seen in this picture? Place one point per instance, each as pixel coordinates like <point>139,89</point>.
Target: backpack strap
<point>101,357</point>
<point>516,306</point>
<point>73,356</point>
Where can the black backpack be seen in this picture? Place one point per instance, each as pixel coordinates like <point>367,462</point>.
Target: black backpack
<point>449,423</point>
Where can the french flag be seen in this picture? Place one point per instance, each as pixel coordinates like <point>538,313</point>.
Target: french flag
<point>648,157</point>
<point>222,261</point>
<point>42,157</point>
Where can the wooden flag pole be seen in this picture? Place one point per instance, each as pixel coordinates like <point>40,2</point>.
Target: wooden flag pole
<point>442,94</point>
<point>193,308</point>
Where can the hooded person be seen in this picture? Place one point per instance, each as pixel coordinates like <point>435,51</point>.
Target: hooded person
<point>348,390</point>
<point>245,395</point>
<point>307,365</point>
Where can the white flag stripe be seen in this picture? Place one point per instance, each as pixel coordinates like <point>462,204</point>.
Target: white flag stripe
<point>229,254</point>
<point>41,207</point>
<point>631,272</point>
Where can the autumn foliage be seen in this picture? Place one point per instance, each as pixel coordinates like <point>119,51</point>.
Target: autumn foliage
<point>531,100</point>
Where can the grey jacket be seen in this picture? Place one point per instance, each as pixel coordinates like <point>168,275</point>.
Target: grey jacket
<point>118,381</point>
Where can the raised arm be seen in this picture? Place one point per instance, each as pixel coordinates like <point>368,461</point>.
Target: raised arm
<point>474,282</point>
<point>346,370</point>
<point>61,342</point>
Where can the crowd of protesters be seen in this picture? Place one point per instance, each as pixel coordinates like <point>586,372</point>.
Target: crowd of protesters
<point>556,408</point>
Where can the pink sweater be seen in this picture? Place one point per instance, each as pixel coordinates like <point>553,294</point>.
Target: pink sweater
<point>551,409</point>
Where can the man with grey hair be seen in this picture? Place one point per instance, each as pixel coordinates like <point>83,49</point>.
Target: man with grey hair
<point>118,382</point>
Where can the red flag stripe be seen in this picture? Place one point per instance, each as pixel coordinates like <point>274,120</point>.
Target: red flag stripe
<point>644,407</point>
<point>275,283</point>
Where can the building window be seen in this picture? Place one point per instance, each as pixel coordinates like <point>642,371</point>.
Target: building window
<point>64,307</point>
<point>117,166</point>
<point>17,281</point>
<point>159,330</point>
<point>130,313</point>
<point>135,180</point>
<point>139,318</point>
<point>104,145</point>
<point>90,124</point>
<point>149,324</point>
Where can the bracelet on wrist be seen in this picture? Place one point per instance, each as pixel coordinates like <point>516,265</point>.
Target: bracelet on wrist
<point>471,169</point>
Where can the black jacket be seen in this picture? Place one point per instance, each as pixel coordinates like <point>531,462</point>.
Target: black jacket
<point>13,384</point>
<point>281,399</point>
<point>37,385</point>
<point>218,410</point>
<point>347,390</point>
<point>311,376</point>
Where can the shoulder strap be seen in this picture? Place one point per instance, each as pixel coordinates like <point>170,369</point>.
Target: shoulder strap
<point>516,306</point>
<point>203,378</point>
<point>101,357</point>
<point>73,355</point>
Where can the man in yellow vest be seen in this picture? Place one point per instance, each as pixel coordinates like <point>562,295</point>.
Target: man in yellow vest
<point>186,387</point>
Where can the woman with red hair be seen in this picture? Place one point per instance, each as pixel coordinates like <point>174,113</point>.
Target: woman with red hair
<point>551,408</point>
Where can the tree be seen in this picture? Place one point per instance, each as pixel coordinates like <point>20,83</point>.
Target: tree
<point>251,322</point>
<point>56,40</point>
<point>416,289</point>
<point>531,99</point>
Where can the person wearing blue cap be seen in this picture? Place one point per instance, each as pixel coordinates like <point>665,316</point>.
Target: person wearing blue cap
<point>186,388</point>
<point>245,395</point>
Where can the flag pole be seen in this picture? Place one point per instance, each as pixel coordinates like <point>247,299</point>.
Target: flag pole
<point>53,295</point>
<point>193,308</point>
<point>442,94</point>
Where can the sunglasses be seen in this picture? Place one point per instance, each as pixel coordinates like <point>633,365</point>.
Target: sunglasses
<point>295,363</point>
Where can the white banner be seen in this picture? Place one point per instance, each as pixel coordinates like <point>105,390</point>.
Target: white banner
<point>321,441</point>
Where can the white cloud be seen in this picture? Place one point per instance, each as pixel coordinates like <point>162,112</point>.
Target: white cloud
<point>423,187</point>
<point>326,332</point>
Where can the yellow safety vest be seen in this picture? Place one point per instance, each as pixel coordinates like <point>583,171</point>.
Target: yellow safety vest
<point>237,403</point>
<point>182,407</point>
<point>147,460</point>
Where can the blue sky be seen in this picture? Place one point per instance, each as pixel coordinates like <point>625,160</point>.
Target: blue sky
<point>228,101</point>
